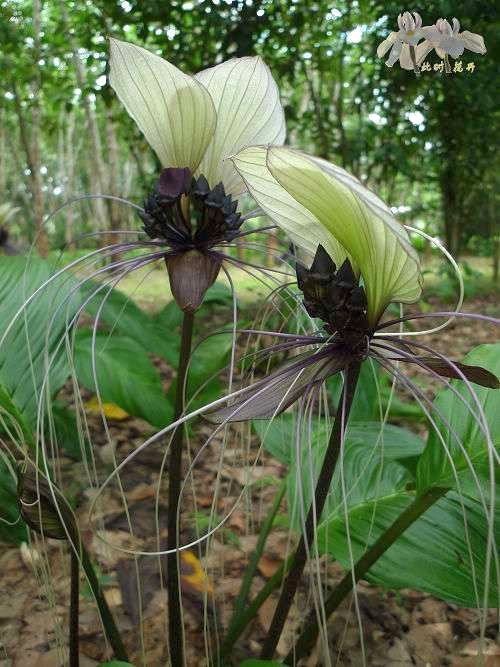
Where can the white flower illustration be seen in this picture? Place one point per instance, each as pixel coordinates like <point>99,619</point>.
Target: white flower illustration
<point>409,34</point>
<point>447,39</point>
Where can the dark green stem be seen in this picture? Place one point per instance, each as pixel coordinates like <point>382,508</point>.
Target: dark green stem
<point>74,651</point>
<point>246,584</point>
<point>322,488</point>
<point>235,626</point>
<point>239,624</point>
<point>310,632</point>
<point>175,638</point>
<point>106,617</point>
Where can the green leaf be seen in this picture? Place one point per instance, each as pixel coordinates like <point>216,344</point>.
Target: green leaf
<point>65,433</point>
<point>279,437</point>
<point>207,360</point>
<point>155,334</point>
<point>369,469</point>
<point>125,374</point>
<point>378,488</point>
<point>12,527</point>
<point>22,353</point>
<point>432,555</point>
<point>435,468</point>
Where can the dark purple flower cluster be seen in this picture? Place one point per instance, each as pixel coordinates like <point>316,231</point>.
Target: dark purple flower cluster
<point>188,214</point>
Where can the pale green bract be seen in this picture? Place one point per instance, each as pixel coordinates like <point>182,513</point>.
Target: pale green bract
<point>316,202</point>
<point>198,121</point>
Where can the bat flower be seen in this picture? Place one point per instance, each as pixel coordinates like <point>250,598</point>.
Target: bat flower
<point>447,39</point>
<point>194,123</point>
<point>409,34</point>
<point>363,260</point>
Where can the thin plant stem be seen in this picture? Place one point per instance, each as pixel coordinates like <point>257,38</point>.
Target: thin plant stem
<point>322,488</point>
<point>447,66</point>
<point>241,622</point>
<point>259,548</point>
<point>310,631</point>
<point>107,619</point>
<point>74,650</point>
<point>175,638</point>
<point>235,626</point>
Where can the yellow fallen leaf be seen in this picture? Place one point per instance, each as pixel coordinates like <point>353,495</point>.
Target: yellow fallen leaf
<point>193,573</point>
<point>111,411</point>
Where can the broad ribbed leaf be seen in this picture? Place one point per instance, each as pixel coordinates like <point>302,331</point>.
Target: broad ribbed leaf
<point>246,99</point>
<point>432,555</point>
<point>125,376</point>
<point>370,469</point>
<point>435,468</point>
<point>279,437</point>
<point>122,315</point>
<point>173,111</point>
<point>377,490</point>
<point>23,351</point>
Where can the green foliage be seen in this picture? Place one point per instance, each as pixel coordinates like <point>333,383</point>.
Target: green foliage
<point>378,475</point>
<point>63,431</point>
<point>376,488</point>
<point>454,566</point>
<point>279,438</point>
<point>125,375</point>
<point>260,663</point>
<point>119,313</point>
<point>30,344</point>
<point>12,527</point>
<point>438,460</point>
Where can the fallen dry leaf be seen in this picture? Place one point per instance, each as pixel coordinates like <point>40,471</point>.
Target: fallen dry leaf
<point>268,565</point>
<point>111,411</point>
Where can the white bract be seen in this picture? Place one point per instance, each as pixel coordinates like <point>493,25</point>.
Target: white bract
<point>197,121</point>
<point>409,34</point>
<point>316,202</point>
<point>447,39</point>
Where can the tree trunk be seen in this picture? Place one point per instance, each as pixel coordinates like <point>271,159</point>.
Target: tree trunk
<point>42,242</point>
<point>495,235</point>
<point>114,177</point>
<point>69,186</point>
<point>452,231</point>
<point>3,170</point>
<point>97,174</point>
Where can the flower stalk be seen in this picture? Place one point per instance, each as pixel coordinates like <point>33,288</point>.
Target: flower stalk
<point>322,488</point>
<point>74,651</point>
<point>239,619</point>
<point>311,628</point>
<point>175,637</point>
<point>47,512</point>
<point>107,619</point>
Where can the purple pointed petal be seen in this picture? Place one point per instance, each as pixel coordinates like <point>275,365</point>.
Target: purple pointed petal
<point>271,396</point>
<point>474,374</point>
